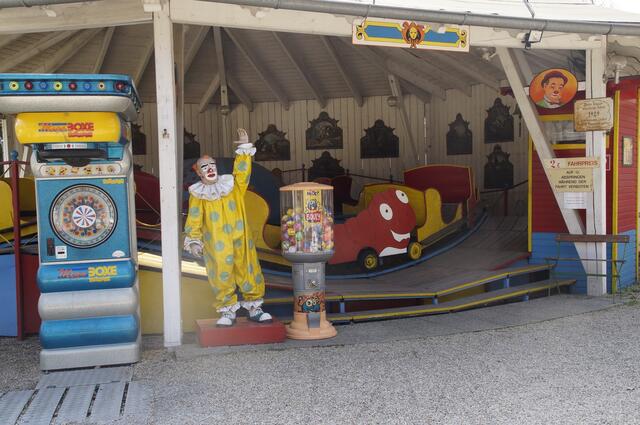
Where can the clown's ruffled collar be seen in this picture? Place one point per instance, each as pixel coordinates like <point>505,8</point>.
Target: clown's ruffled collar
<point>210,192</point>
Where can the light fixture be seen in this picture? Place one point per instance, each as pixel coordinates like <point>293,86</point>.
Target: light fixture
<point>392,101</point>
<point>533,36</point>
<point>488,54</point>
<point>618,63</point>
<point>225,109</point>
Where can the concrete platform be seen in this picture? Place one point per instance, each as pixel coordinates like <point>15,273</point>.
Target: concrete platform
<point>244,332</point>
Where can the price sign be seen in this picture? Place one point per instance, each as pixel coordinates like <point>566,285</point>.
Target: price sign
<point>571,174</point>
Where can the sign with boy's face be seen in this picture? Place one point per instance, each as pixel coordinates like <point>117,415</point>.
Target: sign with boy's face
<point>553,88</point>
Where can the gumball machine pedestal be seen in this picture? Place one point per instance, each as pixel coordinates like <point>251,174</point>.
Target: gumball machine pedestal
<point>307,241</point>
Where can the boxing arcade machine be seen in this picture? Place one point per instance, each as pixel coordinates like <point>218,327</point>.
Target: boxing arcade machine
<point>79,129</point>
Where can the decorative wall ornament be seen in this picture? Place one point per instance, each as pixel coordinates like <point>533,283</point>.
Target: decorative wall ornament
<point>401,33</point>
<point>324,133</point>
<point>272,145</point>
<point>191,148</point>
<point>498,171</point>
<point>459,137</point>
<point>498,126</point>
<point>379,142</point>
<point>325,166</point>
<point>412,33</point>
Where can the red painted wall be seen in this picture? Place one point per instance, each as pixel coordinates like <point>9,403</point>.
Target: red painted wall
<point>627,176</point>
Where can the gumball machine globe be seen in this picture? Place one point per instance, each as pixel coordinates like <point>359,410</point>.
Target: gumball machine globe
<point>306,224</point>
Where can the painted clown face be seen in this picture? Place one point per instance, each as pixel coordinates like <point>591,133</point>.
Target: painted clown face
<point>207,170</point>
<point>553,90</point>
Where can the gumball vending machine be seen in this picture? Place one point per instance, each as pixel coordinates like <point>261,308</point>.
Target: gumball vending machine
<point>307,241</point>
<point>78,127</point>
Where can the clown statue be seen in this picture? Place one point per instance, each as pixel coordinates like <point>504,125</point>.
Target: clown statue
<point>217,227</point>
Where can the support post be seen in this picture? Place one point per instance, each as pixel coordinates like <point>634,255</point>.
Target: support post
<point>15,201</point>
<point>596,86</point>
<point>543,147</point>
<point>180,70</point>
<point>169,175</point>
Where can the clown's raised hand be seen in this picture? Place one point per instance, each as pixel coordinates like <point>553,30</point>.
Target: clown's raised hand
<point>245,147</point>
<point>243,138</point>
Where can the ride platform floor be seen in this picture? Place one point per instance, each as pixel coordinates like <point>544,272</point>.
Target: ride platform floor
<point>487,255</point>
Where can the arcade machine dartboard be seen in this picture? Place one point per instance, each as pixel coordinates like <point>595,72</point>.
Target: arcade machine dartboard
<point>78,127</point>
<point>83,216</point>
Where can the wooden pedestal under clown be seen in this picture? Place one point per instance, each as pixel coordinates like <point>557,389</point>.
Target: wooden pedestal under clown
<point>216,228</point>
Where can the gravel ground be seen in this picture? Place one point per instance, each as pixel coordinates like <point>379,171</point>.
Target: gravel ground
<point>19,364</point>
<point>575,370</point>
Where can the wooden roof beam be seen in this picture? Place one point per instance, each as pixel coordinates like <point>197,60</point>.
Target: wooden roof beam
<point>302,69</point>
<point>355,91</point>
<point>416,91</point>
<point>222,72</point>
<point>35,48</point>
<point>104,47</point>
<point>425,68</point>
<point>553,55</point>
<point>418,79</point>
<point>239,91</point>
<point>389,67</point>
<point>523,63</point>
<point>198,39</point>
<point>8,39</point>
<point>68,50</point>
<point>259,68</point>
<point>213,87</point>
<point>144,62</point>
<point>469,68</point>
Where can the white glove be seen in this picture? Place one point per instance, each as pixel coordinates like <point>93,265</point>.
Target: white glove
<point>193,247</point>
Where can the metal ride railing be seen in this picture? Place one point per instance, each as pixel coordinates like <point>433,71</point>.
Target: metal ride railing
<point>504,195</point>
<point>14,173</point>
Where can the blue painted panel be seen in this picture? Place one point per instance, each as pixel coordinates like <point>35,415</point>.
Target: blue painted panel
<point>628,269</point>
<point>8,313</point>
<point>544,245</point>
<point>47,190</point>
<point>91,331</point>
<point>87,276</point>
<point>383,32</point>
<point>448,37</point>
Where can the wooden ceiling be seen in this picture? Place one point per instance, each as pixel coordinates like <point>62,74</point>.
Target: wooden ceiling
<point>263,66</point>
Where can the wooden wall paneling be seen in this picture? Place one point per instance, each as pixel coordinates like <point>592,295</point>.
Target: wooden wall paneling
<point>353,120</point>
<point>474,111</point>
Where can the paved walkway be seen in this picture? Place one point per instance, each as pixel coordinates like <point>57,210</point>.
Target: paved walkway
<point>562,359</point>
